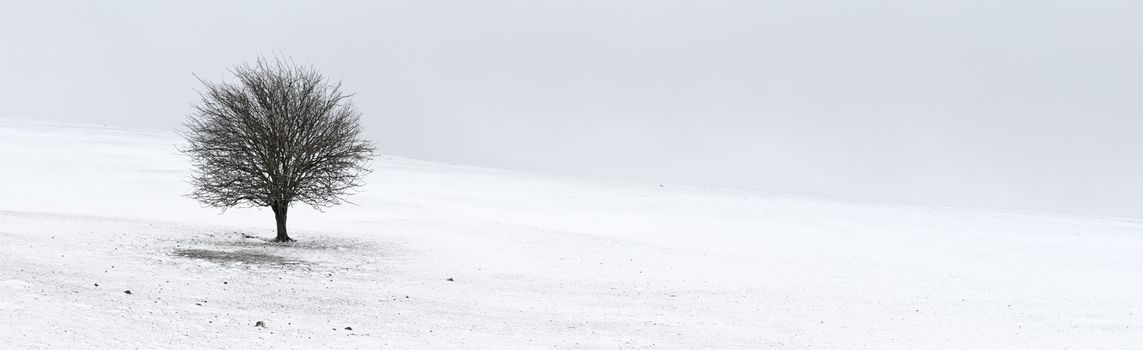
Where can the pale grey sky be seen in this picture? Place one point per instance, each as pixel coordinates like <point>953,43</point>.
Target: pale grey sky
<point>1011,104</point>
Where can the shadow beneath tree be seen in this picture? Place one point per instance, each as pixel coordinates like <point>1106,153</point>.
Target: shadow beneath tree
<point>237,257</point>
<point>307,241</point>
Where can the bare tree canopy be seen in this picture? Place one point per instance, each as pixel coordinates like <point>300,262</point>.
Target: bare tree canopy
<point>281,134</point>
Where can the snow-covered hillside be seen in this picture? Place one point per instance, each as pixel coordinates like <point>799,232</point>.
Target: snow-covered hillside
<point>87,213</point>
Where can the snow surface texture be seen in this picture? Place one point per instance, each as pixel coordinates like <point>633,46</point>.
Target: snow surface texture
<point>88,213</point>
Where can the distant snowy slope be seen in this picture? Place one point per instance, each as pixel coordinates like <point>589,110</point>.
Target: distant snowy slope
<point>536,262</point>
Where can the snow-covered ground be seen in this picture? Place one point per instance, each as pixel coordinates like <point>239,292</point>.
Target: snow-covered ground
<point>87,213</point>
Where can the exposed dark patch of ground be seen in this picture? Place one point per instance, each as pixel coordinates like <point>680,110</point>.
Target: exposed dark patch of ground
<point>304,242</point>
<point>244,257</point>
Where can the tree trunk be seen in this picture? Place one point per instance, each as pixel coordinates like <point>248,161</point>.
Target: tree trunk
<point>280,218</point>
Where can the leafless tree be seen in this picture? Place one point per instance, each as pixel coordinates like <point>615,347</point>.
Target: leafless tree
<point>280,134</point>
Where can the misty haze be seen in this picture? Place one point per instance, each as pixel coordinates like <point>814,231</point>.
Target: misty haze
<point>571,174</point>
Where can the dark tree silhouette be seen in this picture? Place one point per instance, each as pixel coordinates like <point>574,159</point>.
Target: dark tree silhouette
<point>281,134</point>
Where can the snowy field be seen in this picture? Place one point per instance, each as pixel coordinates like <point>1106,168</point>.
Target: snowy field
<point>87,213</point>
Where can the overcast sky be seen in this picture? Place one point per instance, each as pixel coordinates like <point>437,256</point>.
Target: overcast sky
<point>1011,104</point>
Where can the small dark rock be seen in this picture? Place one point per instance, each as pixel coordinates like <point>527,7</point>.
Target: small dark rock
<point>450,279</point>
<point>127,291</point>
<point>97,284</point>
<point>260,324</point>
<point>349,328</point>
<point>223,282</point>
